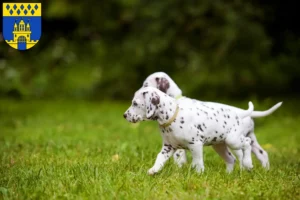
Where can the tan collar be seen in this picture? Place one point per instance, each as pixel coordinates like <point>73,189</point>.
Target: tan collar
<point>169,122</point>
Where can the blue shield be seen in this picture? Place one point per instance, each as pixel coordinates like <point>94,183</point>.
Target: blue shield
<point>22,24</point>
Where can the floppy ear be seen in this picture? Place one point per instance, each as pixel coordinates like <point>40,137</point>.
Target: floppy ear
<point>162,84</point>
<point>152,100</point>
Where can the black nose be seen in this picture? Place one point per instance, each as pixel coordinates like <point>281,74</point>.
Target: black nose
<point>125,115</point>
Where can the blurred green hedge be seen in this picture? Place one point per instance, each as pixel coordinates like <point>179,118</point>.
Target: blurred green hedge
<point>105,49</point>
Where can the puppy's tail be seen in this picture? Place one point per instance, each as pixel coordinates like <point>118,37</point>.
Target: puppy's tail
<point>256,114</point>
<point>247,113</point>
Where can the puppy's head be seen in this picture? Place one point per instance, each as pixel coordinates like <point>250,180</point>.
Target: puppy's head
<point>159,80</point>
<point>144,105</point>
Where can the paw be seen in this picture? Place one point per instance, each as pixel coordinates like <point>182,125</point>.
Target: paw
<point>247,164</point>
<point>152,171</point>
<point>229,168</point>
<point>199,169</point>
<point>266,165</point>
<point>180,162</point>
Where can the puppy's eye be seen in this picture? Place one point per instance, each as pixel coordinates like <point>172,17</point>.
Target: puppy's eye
<point>134,104</point>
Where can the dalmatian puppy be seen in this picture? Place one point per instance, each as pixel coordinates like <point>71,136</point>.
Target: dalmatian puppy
<point>190,124</point>
<point>164,83</point>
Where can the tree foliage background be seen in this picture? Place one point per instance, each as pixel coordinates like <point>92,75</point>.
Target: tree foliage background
<point>105,49</point>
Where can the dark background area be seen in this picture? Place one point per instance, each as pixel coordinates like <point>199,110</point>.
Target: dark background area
<point>105,49</point>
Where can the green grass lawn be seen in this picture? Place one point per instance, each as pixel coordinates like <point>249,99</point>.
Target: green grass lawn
<point>86,150</point>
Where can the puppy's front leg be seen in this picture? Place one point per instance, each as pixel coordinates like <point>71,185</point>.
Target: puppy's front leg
<point>197,154</point>
<point>180,157</point>
<point>164,155</point>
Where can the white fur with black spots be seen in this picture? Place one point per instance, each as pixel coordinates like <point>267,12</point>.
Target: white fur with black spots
<point>190,124</point>
<point>163,82</point>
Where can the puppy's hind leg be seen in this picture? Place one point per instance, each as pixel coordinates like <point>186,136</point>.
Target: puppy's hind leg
<point>239,153</point>
<point>237,142</point>
<point>180,157</point>
<point>227,156</point>
<point>259,152</point>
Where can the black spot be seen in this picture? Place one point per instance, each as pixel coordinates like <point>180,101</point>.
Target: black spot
<point>251,142</point>
<point>228,116</point>
<point>202,136</point>
<point>248,134</point>
<point>225,122</point>
<point>182,122</point>
<point>191,142</point>
<point>177,154</point>
<point>260,151</point>
<point>167,117</point>
<point>222,109</point>
<point>229,153</point>
<point>216,131</point>
<point>180,126</point>
<point>200,128</point>
<point>214,139</point>
<point>162,112</point>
